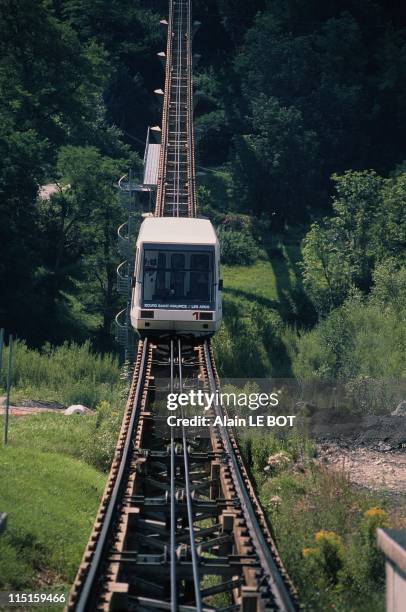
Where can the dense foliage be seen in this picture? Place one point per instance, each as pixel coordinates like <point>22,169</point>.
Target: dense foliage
<point>288,93</point>
<point>301,90</point>
<point>58,125</point>
<point>368,227</point>
<point>363,338</point>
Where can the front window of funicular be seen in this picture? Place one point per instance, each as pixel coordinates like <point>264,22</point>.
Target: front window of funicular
<point>178,278</point>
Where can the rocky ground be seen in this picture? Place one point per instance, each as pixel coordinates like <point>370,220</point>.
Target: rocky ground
<point>378,470</point>
<point>370,450</point>
<point>381,433</point>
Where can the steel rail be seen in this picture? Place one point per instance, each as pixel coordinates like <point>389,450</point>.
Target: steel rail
<point>195,560</point>
<point>178,99</point>
<point>189,119</point>
<point>83,602</point>
<point>274,578</point>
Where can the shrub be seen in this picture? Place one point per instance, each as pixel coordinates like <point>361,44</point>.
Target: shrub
<point>105,429</point>
<point>368,226</point>
<point>324,562</point>
<point>358,340</point>
<point>373,558</point>
<point>212,137</point>
<point>331,551</point>
<point>252,335</point>
<point>238,247</point>
<point>69,374</point>
<point>389,288</point>
<point>238,340</point>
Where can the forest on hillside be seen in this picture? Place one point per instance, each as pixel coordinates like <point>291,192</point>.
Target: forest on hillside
<point>300,107</point>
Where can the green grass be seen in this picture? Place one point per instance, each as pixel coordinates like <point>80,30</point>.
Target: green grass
<point>53,471</point>
<point>273,283</point>
<point>341,569</point>
<point>257,281</point>
<point>52,433</point>
<point>51,481</point>
<point>258,303</point>
<point>51,500</point>
<point>70,374</point>
<point>88,438</point>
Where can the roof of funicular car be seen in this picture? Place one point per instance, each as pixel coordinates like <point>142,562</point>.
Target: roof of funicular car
<point>177,230</point>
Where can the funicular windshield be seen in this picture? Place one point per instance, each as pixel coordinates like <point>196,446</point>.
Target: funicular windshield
<point>178,277</point>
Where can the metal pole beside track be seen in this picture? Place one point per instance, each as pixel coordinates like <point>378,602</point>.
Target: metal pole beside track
<point>1,350</point>
<point>9,383</point>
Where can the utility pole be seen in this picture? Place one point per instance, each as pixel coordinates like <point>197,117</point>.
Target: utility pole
<point>9,383</point>
<point>1,349</point>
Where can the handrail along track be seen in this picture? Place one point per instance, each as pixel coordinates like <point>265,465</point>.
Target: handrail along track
<point>186,498</point>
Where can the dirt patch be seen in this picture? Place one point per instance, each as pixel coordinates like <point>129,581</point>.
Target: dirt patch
<point>370,450</point>
<point>28,406</point>
<point>27,410</point>
<point>373,469</point>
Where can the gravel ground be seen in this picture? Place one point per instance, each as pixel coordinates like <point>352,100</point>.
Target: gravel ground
<point>377,470</point>
<point>370,450</point>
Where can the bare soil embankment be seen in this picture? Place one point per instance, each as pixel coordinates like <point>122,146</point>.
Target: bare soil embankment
<point>370,450</point>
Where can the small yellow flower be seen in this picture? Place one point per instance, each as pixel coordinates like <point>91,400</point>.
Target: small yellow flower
<point>308,552</point>
<point>320,535</point>
<point>329,536</point>
<point>375,513</point>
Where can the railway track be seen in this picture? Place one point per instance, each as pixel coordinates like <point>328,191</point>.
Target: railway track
<point>179,526</point>
<point>176,176</point>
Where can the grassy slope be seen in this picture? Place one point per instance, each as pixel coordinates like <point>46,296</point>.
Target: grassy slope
<point>51,498</point>
<point>343,570</point>
<point>259,301</point>
<point>70,374</point>
<point>273,281</point>
<point>268,283</point>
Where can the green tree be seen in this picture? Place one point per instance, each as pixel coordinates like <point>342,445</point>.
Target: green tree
<point>129,32</point>
<point>80,223</point>
<point>48,81</point>
<point>340,67</point>
<point>51,95</point>
<point>368,226</point>
<point>274,165</point>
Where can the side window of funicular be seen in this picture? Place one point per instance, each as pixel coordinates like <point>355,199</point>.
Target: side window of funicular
<point>178,275</point>
<point>200,276</point>
<point>161,291</point>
